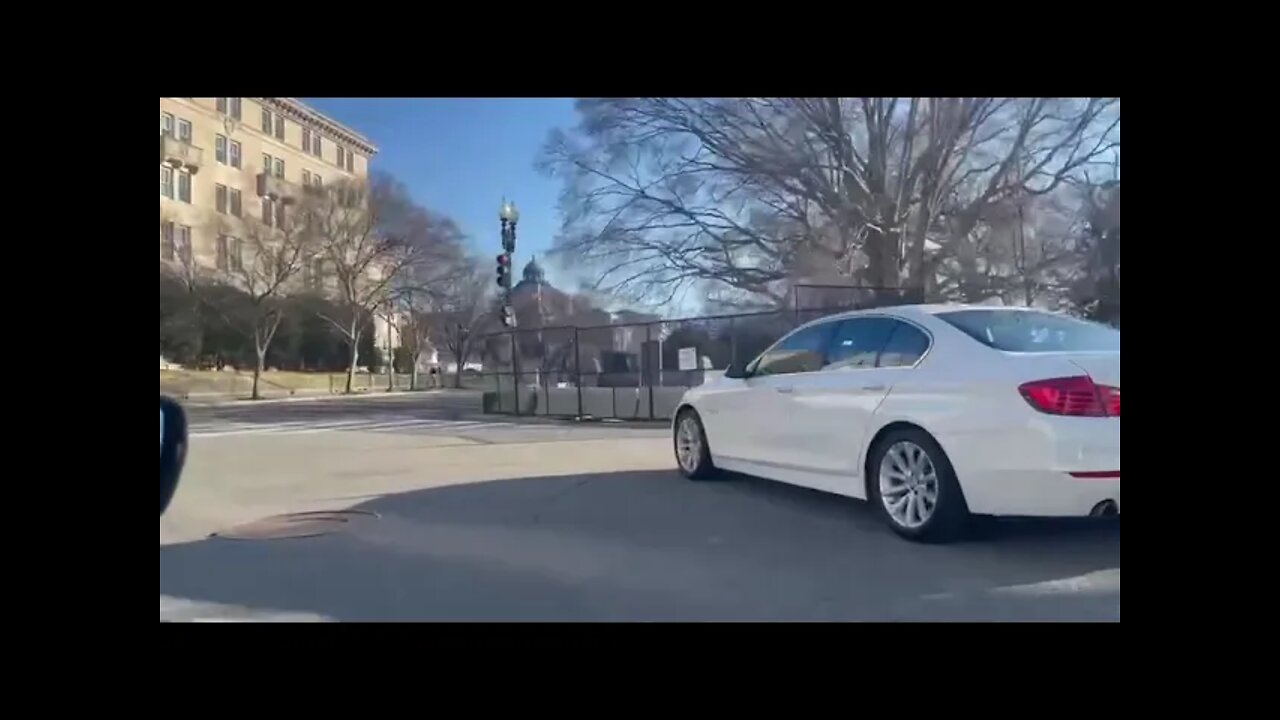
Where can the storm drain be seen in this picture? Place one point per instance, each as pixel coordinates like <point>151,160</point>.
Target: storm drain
<point>296,525</point>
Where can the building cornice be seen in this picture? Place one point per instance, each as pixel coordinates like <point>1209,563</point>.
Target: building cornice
<point>305,115</point>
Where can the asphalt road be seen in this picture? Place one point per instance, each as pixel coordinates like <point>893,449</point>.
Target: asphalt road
<point>448,413</point>
<point>516,521</point>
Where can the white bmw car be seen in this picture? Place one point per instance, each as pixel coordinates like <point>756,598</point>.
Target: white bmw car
<point>930,412</point>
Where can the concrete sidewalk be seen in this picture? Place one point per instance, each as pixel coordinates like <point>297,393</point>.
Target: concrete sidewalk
<point>313,395</point>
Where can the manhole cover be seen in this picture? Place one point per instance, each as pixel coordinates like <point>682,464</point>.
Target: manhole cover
<point>296,525</point>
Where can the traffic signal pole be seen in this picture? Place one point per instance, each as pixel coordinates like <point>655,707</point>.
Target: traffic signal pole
<point>509,216</point>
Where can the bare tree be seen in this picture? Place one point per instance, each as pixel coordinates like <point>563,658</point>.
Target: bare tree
<point>421,290</point>
<point>745,195</point>
<point>417,310</point>
<point>466,306</point>
<point>260,257</point>
<point>188,297</point>
<point>358,227</point>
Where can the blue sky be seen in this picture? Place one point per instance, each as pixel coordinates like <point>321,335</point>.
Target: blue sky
<point>460,156</point>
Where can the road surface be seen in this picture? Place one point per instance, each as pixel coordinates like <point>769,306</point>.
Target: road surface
<point>480,518</point>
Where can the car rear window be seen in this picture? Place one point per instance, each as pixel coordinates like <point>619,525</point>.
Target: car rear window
<point>1029,331</point>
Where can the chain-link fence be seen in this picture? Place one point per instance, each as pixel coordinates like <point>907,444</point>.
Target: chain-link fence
<point>641,370</point>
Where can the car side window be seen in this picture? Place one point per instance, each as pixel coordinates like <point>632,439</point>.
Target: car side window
<point>802,351</point>
<point>906,346</point>
<point>857,343</point>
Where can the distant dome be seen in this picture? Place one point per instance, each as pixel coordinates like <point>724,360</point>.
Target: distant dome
<point>534,274</point>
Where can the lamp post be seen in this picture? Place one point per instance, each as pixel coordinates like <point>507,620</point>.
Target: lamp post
<point>508,215</point>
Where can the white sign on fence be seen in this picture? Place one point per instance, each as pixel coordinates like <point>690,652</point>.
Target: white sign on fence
<point>688,358</point>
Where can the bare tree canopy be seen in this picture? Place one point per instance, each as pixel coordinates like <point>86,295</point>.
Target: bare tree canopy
<point>464,310</point>
<point>746,196</point>
<point>368,236</point>
<point>260,259</point>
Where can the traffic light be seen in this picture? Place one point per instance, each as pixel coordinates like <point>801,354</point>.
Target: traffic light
<point>504,271</point>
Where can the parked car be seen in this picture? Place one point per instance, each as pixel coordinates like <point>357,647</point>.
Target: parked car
<point>933,413</point>
<point>173,448</point>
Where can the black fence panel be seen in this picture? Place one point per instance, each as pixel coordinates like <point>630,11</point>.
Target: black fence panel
<point>641,370</point>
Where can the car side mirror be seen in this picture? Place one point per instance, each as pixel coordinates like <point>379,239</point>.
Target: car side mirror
<point>173,448</point>
<point>736,371</point>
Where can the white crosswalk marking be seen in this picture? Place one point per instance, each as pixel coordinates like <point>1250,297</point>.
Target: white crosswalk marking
<point>366,424</point>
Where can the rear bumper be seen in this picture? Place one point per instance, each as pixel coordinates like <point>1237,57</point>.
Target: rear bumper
<point>1028,470</point>
<point>1038,493</point>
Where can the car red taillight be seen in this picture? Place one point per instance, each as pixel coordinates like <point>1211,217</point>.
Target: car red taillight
<point>1074,396</point>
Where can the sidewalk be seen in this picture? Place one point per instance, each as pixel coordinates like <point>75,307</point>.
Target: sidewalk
<point>209,398</point>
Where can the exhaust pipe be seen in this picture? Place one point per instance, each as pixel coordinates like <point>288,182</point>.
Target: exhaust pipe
<point>1106,508</point>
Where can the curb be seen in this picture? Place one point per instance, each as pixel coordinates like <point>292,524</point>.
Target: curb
<point>583,422</point>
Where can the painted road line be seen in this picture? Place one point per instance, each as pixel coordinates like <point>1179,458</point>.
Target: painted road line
<point>277,428</point>
<point>356,425</point>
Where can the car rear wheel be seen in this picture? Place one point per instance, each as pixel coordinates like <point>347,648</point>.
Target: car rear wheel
<point>693,454</point>
<point>914,488</point>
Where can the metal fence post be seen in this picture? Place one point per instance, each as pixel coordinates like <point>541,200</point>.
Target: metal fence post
<point>644,363</point>
<point>515,371</point>
<point>577,369</point>
<point>733,343</point>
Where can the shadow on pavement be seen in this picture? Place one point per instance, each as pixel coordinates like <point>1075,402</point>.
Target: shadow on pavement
<point>651,546</point>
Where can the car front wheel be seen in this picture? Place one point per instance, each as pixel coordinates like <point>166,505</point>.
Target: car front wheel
<point>914,488</point>
<point>693,454</point>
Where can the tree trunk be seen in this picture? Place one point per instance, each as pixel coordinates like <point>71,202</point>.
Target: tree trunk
<point>355,355</point>
<point>457,375</point>
<point>413,369</point>
<point>257,372</point>
<point>391,368</point>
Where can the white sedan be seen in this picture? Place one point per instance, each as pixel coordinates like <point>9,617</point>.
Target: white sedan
<point>930,412</point>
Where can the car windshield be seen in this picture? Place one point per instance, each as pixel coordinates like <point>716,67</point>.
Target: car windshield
<point>1027,331</point>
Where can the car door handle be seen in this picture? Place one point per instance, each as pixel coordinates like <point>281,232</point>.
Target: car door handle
<point>785,389</point>
<point>873,388</point>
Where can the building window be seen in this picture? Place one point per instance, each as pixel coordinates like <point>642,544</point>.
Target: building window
<point>279,166</point>
<point>266,163</point>
<point>313,273</point>
<point>268,212</point>
<point>317,145</point>
<point>235,154</point>
<point>166,181</point>
<point>221,105</point>
<point>315,180</point>
<point>220,198</point>
<point>306,139</point>
<point>279,215</point>
<point>182,243</point>
<point>166,241</point>
<point>184,186</point>
<point>279,127</point>
<point>351,164</point>
<point>306,178</point>
<point>266,121</point>
<point>230,254</point>
<point>342,161</point>
<point>235,108</point>
<point>166,124</point>
<point>220,149</point>
<point>235,202</point>
<point>184,130</point>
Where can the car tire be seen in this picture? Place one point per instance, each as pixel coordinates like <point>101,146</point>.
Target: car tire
<point>926,503</point>
<point>693,453</point>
